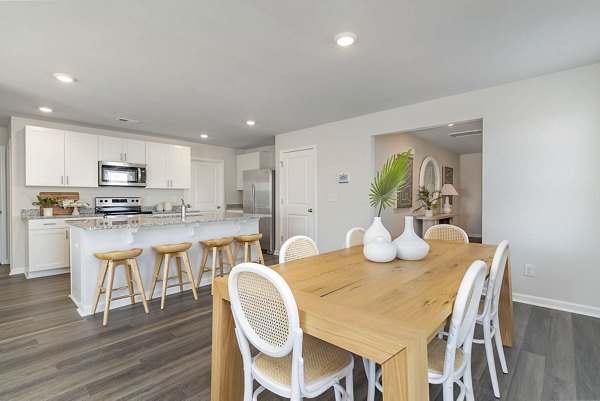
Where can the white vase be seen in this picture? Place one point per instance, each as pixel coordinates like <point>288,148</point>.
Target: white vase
<point>428,212</point>
<point>379,250</point>
<point>409,246</point>
<point>376,230</point>
<point>47,211</point>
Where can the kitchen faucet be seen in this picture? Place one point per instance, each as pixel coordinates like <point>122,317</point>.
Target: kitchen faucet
<point>184,207</point>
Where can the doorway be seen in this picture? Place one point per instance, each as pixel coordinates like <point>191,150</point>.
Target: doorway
<point>298,193</point>
<point>207,187</point>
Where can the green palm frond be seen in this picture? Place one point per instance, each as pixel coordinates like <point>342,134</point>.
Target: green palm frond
<point>392,175</point>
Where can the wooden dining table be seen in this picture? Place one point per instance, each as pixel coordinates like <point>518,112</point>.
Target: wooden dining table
<point>387,312</point>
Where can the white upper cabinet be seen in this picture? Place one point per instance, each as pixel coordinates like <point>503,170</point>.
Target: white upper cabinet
<point>57,158</point>
<point>250,161</point>
<point>112,149</point>
<point>167,166</point>
<point>44,156</point>
<point>180,166</point>
<point>81,160</point>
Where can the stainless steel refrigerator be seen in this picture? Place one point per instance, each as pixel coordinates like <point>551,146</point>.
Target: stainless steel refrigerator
<point>259,198</point>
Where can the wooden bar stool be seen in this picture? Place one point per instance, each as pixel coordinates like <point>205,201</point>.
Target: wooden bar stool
<point>217,246</point>
<point>166,253</point>
<point>109,261</point>
<point>248,241</point>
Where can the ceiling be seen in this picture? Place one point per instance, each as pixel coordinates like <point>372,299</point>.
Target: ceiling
<point>460,144</point>
<point>189,67</point>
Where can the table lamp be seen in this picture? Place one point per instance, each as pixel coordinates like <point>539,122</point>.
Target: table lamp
<point>448,190</point>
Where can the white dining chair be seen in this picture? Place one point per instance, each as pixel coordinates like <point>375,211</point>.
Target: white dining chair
<point>488,317</point>
<point>288,363</point>
<point>297,247</point>
<point>355,236</point>
<point>446,232</point>
<point>450,360</point>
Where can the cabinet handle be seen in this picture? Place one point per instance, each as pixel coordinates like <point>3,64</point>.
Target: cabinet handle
<point>61,180</point>
<point>125,156</point>
<point>67,235</point>
<point>67,180</point>
<point>121,156</point>
<point>49,224</point>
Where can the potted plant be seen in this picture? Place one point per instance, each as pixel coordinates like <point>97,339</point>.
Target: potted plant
<point>46,205</point>
<point>429,200</point>
<point>383,192</point>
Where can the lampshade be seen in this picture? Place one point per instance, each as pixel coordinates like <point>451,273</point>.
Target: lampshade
<point>448,189</point>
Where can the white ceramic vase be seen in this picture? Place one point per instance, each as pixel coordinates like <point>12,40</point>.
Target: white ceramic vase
<point>379,250</point>
<point>409,246</point>
<point>48,211</point>
<point>376,230</point>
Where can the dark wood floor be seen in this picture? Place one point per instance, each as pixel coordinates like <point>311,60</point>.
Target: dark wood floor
<point>49,352</point>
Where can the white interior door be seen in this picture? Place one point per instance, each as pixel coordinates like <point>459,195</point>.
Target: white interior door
<point>298,193</point>
<point>207,187</point>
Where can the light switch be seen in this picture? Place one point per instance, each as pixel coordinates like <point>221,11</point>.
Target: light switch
<point>332,197</point>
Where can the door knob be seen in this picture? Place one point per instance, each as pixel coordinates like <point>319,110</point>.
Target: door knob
<point>310,210</point>
<point>218,207</point>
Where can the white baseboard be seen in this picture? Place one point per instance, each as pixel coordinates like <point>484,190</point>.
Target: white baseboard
<point>16,270</point>
<point>556,304</point>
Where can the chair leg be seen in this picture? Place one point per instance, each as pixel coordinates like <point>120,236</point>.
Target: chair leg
<point>138,281</point>
<point>202,266</point>
<point>261,259</point>
<point>165,280</point>
<point>214,268</point>
<point>109,286</point>
<point>499,347</point>
<point>448,390</point>
<point>127,267</point>
<point>157,264</point>
<point>230,258</point>
<point>247,252</point>
<point>179,274</point>
<point>188,269</point>
<point>338,394</point>
<point>489,353</point>
<point>350,387</point>
<point>101,278</point>
<point>236,251</point>
<point>370,372</point>
<point>220,253</point>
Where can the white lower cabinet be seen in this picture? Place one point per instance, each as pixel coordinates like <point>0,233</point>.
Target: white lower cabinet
<point>48,243</point>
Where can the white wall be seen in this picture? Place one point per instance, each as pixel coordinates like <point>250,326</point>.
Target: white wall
<point>3,136</point>
<point>22,196</point>
<point>470,192</point>
<point>388,145</point>
<point>540,169</point>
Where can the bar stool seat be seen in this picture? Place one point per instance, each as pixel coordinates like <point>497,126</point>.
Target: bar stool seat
<point>109,261</point>
<point>248,241</point>
<point>217,247</point>
<point>166,253</point>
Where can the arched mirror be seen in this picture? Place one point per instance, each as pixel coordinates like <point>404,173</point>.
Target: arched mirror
<point>430,176</point>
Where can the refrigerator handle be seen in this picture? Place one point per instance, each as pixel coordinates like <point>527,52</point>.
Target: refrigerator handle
<point>253,199</point>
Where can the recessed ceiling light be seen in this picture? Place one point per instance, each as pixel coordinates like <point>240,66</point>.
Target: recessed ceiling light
<point>203,136</point>
<point>66,78</point>
<point>250,122</point>
<point>451,125</point>
<point>128,120</point>
<point>45,109</point>
<point>345,39</point>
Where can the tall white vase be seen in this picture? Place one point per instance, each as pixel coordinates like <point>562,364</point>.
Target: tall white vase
<point>409,246</point>
<point>376,230</point>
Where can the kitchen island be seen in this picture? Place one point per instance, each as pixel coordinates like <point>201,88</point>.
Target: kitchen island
<point>89,236</point>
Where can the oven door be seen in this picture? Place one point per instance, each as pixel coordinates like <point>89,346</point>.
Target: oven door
<point>121,174</point>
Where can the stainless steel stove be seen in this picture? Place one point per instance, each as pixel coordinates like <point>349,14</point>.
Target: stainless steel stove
<point>120,206</point>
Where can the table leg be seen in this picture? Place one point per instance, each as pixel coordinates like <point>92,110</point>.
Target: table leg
<point>505,308</point>
<point>405,374</point>
<point>227,377</point>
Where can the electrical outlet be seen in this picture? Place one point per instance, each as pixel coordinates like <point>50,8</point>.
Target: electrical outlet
<point>529,270</point>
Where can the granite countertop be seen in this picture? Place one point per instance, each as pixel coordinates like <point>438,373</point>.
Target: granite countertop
<point>115,222</point>
<point>33,214</point>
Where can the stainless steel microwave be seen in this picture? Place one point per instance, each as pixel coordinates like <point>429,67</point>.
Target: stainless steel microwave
<point>121,174</point>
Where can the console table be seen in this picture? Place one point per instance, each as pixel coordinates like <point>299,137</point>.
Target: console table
<point>427,222</point>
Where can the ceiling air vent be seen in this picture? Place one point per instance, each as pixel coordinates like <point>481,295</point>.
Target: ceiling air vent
<point>128,120</point>
<point>462,134</point>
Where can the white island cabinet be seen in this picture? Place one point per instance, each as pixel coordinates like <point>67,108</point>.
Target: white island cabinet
<point>103,235</point>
